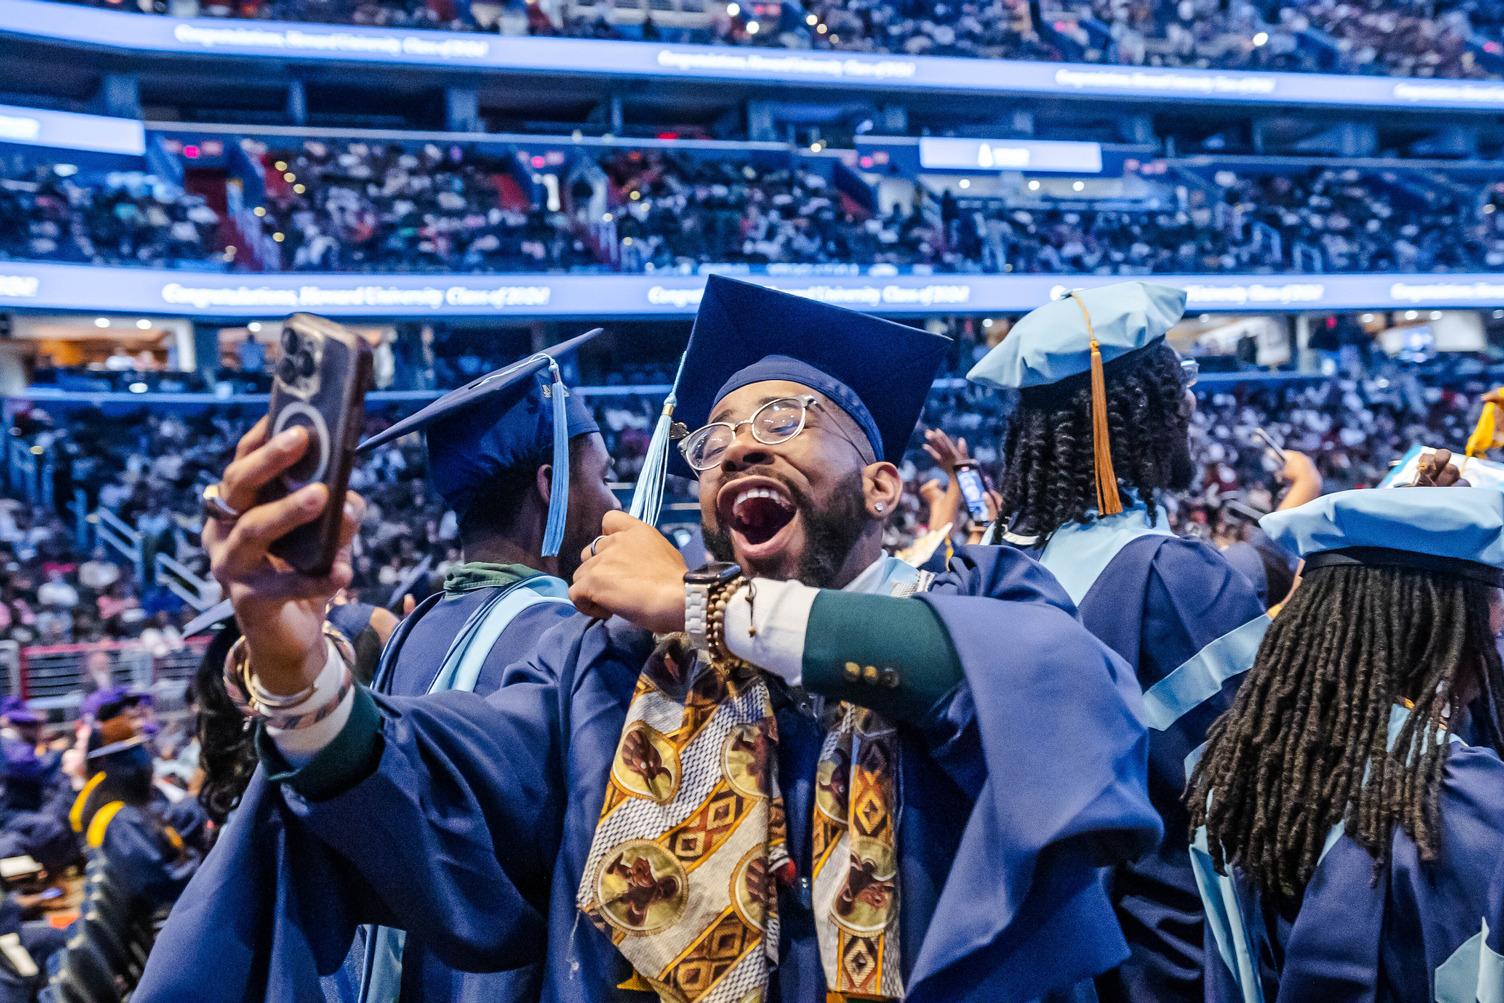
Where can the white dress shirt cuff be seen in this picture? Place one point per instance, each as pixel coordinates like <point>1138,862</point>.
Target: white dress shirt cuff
<point>779,612</point>
<point>300,745</point>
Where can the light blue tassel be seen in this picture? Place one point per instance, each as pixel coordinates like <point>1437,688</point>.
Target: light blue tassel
<point>647,497</point>
<point>558,495</point>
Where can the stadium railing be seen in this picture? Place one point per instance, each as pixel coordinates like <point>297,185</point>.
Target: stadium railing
<point>50,676</point>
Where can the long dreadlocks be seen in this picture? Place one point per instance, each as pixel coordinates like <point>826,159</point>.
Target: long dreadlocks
<point>1048,480</point>
<point>1305,746</point>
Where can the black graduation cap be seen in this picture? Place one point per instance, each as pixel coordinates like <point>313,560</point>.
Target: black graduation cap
<point>487,425</point>
<point>877,371</point>
<point>215,615</point>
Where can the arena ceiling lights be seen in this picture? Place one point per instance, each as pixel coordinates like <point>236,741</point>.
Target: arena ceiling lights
<point>286,41</point>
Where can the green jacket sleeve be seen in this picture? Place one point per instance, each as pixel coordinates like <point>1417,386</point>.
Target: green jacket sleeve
<point>888,654</point>
<point>337,767</point>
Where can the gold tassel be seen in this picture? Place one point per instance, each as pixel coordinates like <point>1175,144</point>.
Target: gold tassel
<point>1108,502</point>
<point>1486,433</point>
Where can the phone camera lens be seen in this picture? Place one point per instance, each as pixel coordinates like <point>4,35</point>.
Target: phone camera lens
<point>290,341</point>
<point>306,364</point>
<point>287,370</point>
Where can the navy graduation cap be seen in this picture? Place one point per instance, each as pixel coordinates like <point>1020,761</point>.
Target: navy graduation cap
<point>1455,530</point>
<point>1075,337</point>
<point>486,426</point>
<point>876,371</point>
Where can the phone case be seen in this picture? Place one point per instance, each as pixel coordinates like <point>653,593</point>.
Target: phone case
<point>319,383</point>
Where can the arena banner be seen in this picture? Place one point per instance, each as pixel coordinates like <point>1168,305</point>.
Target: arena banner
<point>63,130</point>
<point>283,41</point>
<point>944,153</point>
<point>240,295</point>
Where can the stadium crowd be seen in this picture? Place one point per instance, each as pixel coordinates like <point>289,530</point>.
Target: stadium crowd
<point>50,213</point>
<point>150,471</point>
<point>1423,38</point>
<point>357,206</point>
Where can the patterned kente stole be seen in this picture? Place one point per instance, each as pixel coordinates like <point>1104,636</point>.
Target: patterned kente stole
<point>690,850</point>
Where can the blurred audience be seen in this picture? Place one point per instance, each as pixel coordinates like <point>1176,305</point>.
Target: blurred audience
<point>358,206</point>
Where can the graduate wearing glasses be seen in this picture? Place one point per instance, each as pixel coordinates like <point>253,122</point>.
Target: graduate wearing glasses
<point>801,772</point>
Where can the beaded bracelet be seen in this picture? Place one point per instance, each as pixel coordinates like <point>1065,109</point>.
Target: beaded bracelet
<point>715,620</point>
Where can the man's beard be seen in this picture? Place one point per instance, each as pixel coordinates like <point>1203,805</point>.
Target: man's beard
<point>831,532</point>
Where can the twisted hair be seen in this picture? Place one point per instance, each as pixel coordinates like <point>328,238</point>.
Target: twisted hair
<point>1305,745</point>
<point>1049,477</point>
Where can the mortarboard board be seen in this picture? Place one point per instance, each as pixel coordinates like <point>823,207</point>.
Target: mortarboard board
<point>1075,338</point>
<point>876,371</point>
<point>220,613</point>
<point>111,701</point>
<point>112,736</point>
<point>479,430</point>
<point>1455,530</point>
<point>23,713</point>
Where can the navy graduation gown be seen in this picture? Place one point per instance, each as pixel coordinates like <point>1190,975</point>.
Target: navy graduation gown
<point>1411,931</point>
<point>408,669</point>
<point>149,867</point>
<point>473,823</point>
<point>416,652</point>
<point>1189,624</point>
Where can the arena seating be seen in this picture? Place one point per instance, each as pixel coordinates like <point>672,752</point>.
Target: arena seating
<point>361,206</point>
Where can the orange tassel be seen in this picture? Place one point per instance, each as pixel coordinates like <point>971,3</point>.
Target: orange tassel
<point>1108,502</point>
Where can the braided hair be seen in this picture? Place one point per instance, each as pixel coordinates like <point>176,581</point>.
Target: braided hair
<point>1305,745</point>
<point>1049,479</point>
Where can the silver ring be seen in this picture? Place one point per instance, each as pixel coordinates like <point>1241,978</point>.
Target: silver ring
<point>215,507</point>
<point>593,543</point>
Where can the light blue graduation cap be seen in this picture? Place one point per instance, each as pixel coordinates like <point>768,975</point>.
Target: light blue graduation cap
<point>1070,343</point>
<point>874,370</point>
<point>476,432</point>
<point>1457,531</point>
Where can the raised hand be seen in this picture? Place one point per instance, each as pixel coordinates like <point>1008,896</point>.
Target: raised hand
<point>632,571</point>
<point>945,451</point>
<point>280,611</point>
<point>1438,471</point>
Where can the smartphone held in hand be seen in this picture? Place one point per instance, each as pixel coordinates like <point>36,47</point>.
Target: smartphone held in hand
<point>973,490</point>
<point>319,384</point>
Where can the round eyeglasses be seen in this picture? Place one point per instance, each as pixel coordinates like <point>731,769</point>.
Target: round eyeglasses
<point>774,422</point>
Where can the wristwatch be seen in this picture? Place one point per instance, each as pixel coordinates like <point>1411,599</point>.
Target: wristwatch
<point>701,588</point>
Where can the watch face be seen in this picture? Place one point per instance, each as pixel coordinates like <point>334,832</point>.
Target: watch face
<point>713,573</point>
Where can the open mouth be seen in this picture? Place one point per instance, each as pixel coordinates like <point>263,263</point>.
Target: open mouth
<point>756,512</point>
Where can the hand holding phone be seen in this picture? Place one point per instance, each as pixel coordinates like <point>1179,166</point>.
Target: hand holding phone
<point>973,490</point>
<point>319,384</point>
